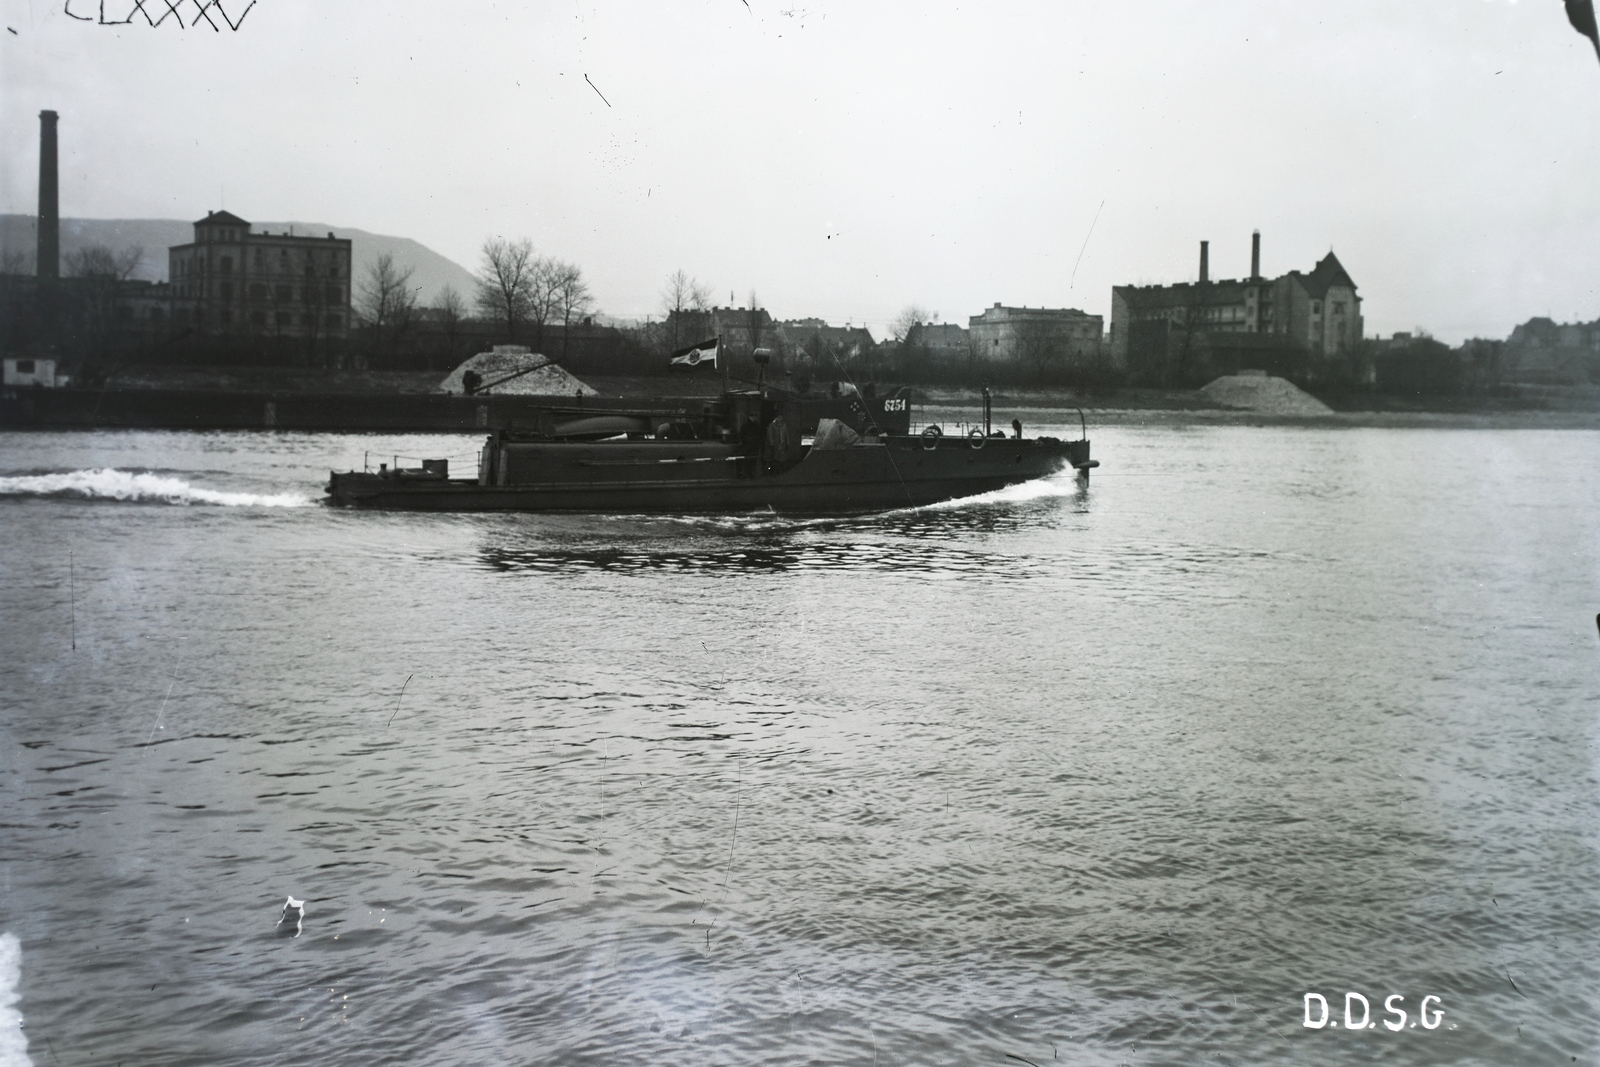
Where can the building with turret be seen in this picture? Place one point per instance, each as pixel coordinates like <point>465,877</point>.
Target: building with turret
<point>1308,319</point>
<point>229,280</point>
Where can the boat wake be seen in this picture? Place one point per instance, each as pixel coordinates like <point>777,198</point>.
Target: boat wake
<point>1063,484</point>
<point>108,483</point>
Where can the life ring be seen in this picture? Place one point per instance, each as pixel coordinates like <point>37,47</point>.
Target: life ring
<point>977,437</point>
<point>930,437</point>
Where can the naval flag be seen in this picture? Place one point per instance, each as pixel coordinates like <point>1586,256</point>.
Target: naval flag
<point>1581,14</point>
<point>694,355</point>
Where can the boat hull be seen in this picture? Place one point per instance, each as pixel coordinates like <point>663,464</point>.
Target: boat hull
<point>895,472</point>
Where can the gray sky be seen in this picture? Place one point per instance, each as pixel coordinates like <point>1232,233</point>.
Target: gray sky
<point>845,159</point>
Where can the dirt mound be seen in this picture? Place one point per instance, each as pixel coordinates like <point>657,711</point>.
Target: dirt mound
<point>1263,395</point>
<point>506,360</point>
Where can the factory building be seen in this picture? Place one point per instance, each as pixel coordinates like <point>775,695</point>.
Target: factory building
<point>1308,317</point>
<point>232,281</point>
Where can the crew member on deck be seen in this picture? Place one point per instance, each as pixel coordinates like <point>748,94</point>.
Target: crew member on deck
<point>750,433</point>
<point>777,444</point>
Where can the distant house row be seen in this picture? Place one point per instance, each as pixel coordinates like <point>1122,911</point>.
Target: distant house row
<point>744,330</point>
<point>234,283</point>
<point>1544,352</point>
<point>1163,334</point>
<point>999,333</point>
<point>231,282</point>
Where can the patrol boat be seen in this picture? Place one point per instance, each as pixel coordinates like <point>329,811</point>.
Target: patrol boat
<point>744,451</point>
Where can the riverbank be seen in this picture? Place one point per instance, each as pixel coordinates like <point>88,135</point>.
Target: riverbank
<point>1174,407</point>
<point>1528,406</point>
<point>273,380</point>
<point>1067,414</point>
<point>1192,418</point>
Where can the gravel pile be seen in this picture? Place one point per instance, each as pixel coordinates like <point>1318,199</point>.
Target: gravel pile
<point>504,360</point>
<point>1265,396</point>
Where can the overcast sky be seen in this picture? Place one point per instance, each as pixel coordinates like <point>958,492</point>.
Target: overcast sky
<point>844,159</point>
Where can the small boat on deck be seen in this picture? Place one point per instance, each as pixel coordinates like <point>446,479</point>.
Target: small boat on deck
<point>744,451</point>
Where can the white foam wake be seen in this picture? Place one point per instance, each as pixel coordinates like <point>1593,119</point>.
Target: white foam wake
<point>1064,484</point>
<point>109,483</point>
<point>13,1043</point>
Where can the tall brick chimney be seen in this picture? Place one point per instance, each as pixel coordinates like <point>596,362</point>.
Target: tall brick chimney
<point>1255,255</point>
<point>1205,261</point>
<point>48,258</point>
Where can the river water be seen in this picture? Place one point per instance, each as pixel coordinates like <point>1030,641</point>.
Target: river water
<point>1102,775</point>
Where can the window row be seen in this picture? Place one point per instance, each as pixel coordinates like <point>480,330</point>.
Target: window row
<point>310,295</point>
<point>284,318</point>
<point>186,267</point>
<point>283,294</point>
<point>312,269</point>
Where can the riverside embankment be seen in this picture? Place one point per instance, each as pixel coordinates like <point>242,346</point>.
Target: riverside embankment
<point>375,401</point>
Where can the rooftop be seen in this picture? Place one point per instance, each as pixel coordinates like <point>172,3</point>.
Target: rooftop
<point>222,218</point>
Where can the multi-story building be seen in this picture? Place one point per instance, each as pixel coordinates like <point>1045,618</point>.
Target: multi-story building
<point>824,343</point>
<point>1235,321</point>
<point>231,281</point>
<point>942,340</point>
<point>1035,334</point>
<point>1544,352</point>
<point>85,316</point>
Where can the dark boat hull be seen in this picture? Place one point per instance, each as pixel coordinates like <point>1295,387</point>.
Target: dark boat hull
<point>899,472</point>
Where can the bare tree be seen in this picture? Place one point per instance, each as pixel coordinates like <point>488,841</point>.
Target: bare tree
<point>682,299</point>
<point>128,260</point>
<point>684,293</point>
<point>570,297</point>
<point>451,310</point>
<point>102,272</point>
<point>906,332</point>
<point>386,297</point>
<point>911,316</point>
<point>98,261</point>
<point>507,283</point>
<point>544,296</point>
<point>16,261</point>
<point>387,300</point>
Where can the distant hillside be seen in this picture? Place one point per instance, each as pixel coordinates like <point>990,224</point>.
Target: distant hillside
<point>431,271</point>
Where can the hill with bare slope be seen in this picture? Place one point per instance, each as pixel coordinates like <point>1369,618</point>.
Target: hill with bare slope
<point>431,271</point>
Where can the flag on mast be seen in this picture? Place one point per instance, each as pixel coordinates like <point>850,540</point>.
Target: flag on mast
<point>1581,14</point>
<point>694,355</point>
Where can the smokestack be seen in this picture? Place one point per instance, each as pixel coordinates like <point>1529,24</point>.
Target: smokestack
<point>1255,254</point>
<point>1205,261</point>
<point>48,258</point>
